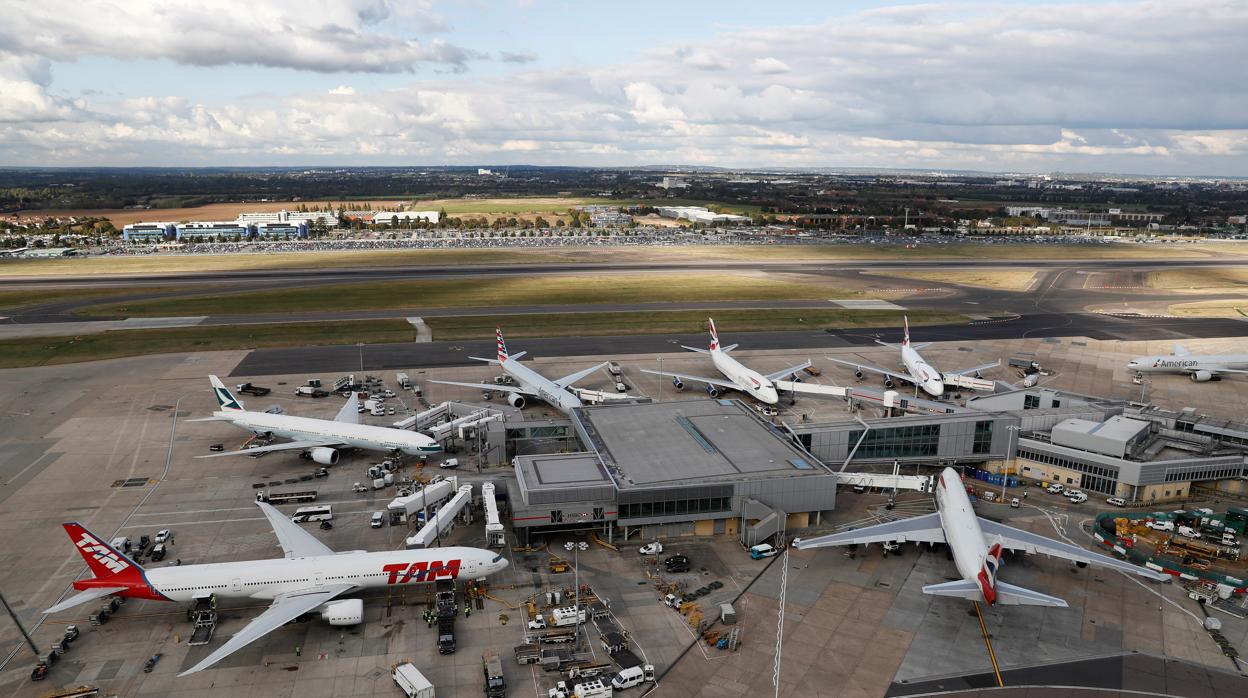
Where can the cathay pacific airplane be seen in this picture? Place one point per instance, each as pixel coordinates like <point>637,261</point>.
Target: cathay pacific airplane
<point>321,438</point>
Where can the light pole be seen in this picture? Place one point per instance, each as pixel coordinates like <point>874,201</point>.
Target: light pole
<point>1009,454</point>
<point>361,346</point>
<point>575,548</point>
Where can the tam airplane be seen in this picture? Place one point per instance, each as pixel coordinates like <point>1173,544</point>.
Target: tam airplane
<point>322,438</point>
<point>1200,368</point>
<point>977,545</point>
<point>764,388</point>
<point>922,374</point>
<point>310,579</point>
<point>558,393</point>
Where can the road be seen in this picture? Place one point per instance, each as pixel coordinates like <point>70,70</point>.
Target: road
<point>377,357</point>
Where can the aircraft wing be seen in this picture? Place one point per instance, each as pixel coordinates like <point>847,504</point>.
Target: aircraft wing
<point>696,379</point>
<point>288,446</point>
<point>965,371</point>
<point>295,541</point>
<point>84,597</point>
<point>489,386</point>
<point>875,369</point>
<point>1016,539</point>
<point>574,377</point>
<point>726,349</point>
<point>1221,369</point>
<point>350,412</point>
<point>285,608</point>
<point>920,529</point>
<point>787,372</point>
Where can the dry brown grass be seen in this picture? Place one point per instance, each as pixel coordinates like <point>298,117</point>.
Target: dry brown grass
<point>1003,280</point>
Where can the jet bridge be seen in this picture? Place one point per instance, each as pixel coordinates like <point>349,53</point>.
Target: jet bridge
<point>402,508</point>
<point>443,521</point>
<point>494,534</point>
<point>889,481</point>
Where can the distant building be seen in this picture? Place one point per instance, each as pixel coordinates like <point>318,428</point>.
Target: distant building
<point>699,214</point>
<point>211,229</point>
<point>1135,217</point>
<point>281,231</point>
<point>673,183</point>
<point>395,217</point>
<point>308,218</point>
<point>484,171</point>
<point>148,232</point>
<point>50,252</point>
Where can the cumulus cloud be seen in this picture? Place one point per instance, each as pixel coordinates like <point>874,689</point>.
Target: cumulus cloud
<point>1137,87</point>
<point>316,35</point>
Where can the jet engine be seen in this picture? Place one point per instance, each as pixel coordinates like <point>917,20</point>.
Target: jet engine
<point>858,373</point>
<point>516,400</point>
<point>1201,376</point>
<point>677,384</point>
<point>712,390</point>
<point>325,456</point>
<point>343,612</point>
<point>888,383</point>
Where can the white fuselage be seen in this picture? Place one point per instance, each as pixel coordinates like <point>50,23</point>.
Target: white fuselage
<point>1189,364</point>
<point>267,579</point>
<point>921,372</point>
<point>747,380</point>
<point>540,385</point>
<point>351,435</point>
<point>962,532</point>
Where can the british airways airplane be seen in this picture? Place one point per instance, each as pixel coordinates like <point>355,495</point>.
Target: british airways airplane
<point>312,578</point>
<point>977,545</point>
<point>922,374</point>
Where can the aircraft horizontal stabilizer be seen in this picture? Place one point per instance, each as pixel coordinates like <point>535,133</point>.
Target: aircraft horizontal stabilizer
<point>1010,595</point>
<point>84,597</point>
<point>962,589</point>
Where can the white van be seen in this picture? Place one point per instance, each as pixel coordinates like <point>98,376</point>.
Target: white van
<point>627,678</point>
<point>1116,501</point>
<point>378,520</point>
<point>762,550</point>
<point>449,463</point>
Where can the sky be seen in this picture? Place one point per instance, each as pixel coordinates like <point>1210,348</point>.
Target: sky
<point>1131,87</point>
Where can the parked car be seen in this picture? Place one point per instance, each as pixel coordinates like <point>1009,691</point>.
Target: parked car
<point>163,535</point>
<point>1158,525</point>
<point>1055,488</point>
<point>677,563</point>
<point>1078,498</point>
<point>651,548</point>
<point>449,463</point>
<point>1116,501</point>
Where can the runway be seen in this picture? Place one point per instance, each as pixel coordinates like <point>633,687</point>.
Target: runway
<point>377,357</point>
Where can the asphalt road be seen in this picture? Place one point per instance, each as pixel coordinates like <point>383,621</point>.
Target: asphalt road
<point>377,357</point>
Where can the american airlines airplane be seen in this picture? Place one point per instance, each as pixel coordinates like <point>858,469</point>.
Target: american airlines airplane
<point>977,545</point>
<point>922,374</point>
<point>320,437</point>
<point>1200,368</point>
<point>312,578</point>
<point>558,393</point>
<point>764,388</point>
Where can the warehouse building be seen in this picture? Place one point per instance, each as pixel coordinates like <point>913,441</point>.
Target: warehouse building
<point>698,467</point>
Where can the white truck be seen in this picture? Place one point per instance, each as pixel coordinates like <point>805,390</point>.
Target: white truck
<point>403,380</point>
<point>558,618</point>
<point>412,682</point>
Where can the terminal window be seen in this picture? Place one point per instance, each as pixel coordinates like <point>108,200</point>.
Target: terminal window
<point>898,442</point>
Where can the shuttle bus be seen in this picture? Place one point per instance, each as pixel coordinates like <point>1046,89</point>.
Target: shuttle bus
<point>322,512</point>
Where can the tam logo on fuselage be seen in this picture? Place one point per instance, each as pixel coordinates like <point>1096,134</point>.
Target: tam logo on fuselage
<point>102,553</point>
<point>403,573</point>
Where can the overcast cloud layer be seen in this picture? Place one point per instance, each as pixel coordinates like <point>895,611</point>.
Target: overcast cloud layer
<point>1130,87</point>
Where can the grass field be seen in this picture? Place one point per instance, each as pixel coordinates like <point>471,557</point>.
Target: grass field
<point>1236,308</point>
<point>42,351</point>
<point>1207,280</point>
<point>159,264</point>
<point>674,322</point>
<point>16,300</point>
<point>1004,280</point>
<point>491,291</point>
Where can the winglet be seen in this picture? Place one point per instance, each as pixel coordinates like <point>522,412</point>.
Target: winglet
<point>714,335</point>
<point>225,398</point>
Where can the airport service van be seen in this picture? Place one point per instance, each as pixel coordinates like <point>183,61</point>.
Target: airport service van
<point>632,676</point>
<point>763,550</point>
<point>412,682</point>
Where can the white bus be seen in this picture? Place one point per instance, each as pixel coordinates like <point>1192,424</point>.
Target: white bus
<point>322,512</point>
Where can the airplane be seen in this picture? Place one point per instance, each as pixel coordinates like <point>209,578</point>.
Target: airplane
<point>1200,368</point>
<point>311,578</point>
<point>530,383</point>
<point>920,373</point>
<point>764,388</point>
<point>977,545</point>
<point>320,437</point>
